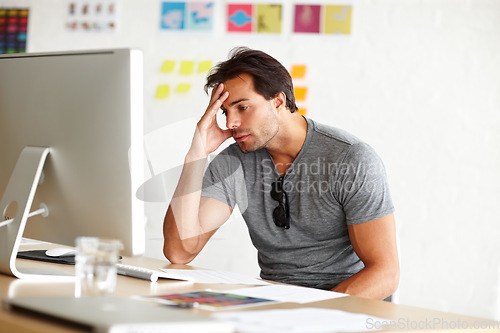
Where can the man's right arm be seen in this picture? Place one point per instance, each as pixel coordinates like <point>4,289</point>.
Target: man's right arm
<point>191,220</point>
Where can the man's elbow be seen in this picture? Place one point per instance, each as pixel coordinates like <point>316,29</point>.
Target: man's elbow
<point>392,278</point>
<point>176,256</point>
<point>177,259</point>
<point>388,278</point>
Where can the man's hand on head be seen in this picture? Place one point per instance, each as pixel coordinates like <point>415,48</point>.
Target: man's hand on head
<point>209,136</point>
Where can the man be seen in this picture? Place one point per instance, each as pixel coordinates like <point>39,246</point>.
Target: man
<point>315,198</point>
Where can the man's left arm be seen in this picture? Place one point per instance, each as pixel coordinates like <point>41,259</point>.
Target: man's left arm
<point>375,244</point>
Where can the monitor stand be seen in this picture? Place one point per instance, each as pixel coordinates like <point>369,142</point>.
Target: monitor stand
<point>18,198</point>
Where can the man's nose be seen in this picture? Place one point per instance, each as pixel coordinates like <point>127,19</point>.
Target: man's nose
<point>233,120</point>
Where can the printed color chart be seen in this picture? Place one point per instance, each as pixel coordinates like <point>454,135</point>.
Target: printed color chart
<point>13,30</point>
<point>211,300</point>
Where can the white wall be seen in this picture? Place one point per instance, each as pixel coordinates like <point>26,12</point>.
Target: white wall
<point>418,79</point>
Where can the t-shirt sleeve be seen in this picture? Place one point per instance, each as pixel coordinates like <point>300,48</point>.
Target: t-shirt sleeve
<point>223,181</point>
<point>361,185</point>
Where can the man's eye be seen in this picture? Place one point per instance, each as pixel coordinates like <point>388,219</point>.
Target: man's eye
<point>243,108</point>
<point>224,112</point>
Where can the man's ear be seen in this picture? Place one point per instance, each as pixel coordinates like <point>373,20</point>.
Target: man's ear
<point>279,100</point>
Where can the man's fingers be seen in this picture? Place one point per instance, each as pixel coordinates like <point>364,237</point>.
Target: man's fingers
<point>209,118</point>
<point>216,92</point>
<point>214,107</point>
<point>216,100</point>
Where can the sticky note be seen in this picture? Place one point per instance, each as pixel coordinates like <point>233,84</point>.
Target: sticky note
<point>298,71</point>
<point>338,19</point>
<point>182,88</point>
<point>300,93</point>
<point>187,67</point>
<point>167,66</point>
<point>162,91</point>
<point>302,111</point>
<point>204,66</point>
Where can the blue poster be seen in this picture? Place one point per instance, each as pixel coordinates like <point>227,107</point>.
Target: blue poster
<point>172,15</point>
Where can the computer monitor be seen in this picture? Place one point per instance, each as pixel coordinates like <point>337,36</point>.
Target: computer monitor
<point>81,115</point>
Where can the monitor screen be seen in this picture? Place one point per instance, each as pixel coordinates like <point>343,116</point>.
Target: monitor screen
<point>87,107</point>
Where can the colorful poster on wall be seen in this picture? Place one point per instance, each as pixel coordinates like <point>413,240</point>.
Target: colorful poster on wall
<point>173,15</point>
<point>240,18</point>
<point>338,19</point>
<point>13,30</point>
<point>307,18</point>
<point>257,17</point>
<point>323,19</point>
<point>254,18</point>
<point>91,16</point>
<point>200,15</point>
<point>193,15</point>
<point>269,18</point>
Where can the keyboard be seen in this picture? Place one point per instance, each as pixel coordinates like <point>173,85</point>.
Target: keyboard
<point>138,272</point>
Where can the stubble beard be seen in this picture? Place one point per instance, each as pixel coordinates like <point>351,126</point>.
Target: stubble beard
<point>262,139</point>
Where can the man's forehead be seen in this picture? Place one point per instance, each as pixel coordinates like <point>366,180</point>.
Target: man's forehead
<point>242,80</point>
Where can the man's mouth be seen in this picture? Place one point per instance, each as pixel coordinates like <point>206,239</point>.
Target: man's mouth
<point>240,138</point>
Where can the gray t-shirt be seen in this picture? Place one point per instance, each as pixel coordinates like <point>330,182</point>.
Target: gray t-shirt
<point>336,180</point>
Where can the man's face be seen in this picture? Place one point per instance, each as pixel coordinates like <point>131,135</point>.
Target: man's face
<point>251,118</point>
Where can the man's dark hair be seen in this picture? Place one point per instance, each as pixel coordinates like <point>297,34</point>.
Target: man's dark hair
<point>269,76</point>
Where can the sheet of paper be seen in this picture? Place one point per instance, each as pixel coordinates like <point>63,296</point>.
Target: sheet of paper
<point>303,320</point>
<point>29,241</point>
<point>286,293</point>
<point>207,276</point>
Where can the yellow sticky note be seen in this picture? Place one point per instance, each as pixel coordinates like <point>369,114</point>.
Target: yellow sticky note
<point>300,93</point>
<point>182,88</point>
<point>204,66</point>
<point>298,71</point>
<point>302,111</point>
<point>167,66</point>
<point>338,19</point>
<point>162,91</point>
<point>187,67</point>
